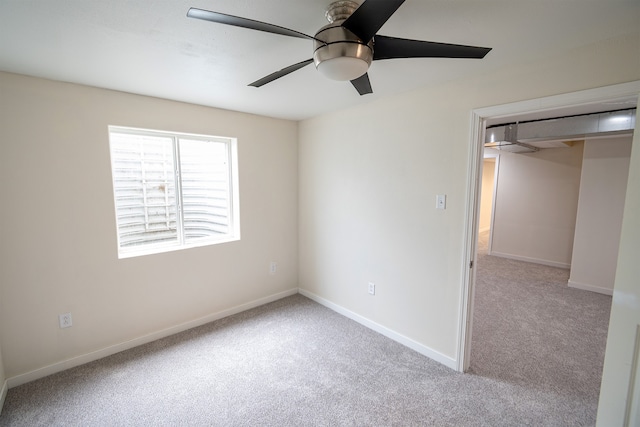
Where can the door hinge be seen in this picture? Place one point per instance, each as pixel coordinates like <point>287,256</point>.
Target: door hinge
<point>471,264</point>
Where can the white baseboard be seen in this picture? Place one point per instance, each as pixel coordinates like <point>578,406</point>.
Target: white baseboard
<point>532,260</point>
<point>3,394</point>
<point>414,345</point>
<point>113,349</point>
<point>592,288</point>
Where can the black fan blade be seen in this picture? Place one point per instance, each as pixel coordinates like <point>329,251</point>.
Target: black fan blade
<point>274,76</point>
<point>362,84</point>
<point>391,47</point>
<point>236,21</point>
<point>370,17</point>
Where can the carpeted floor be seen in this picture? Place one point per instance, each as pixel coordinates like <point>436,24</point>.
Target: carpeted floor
<point>532,331</point>
<point>536,360</point>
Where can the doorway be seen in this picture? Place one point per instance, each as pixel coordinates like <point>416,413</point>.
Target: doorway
<point>561,105</point>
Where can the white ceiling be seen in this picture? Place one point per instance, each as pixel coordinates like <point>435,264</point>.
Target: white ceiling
<point>152,48</point>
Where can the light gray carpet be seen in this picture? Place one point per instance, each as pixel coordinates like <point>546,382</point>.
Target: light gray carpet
<point>534,333</point>
<point>296,363</point>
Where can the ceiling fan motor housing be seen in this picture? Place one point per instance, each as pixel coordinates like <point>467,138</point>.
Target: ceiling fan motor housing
<point>339,54</point>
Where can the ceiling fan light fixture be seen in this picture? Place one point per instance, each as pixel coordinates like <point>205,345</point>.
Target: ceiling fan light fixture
<point>341,55</point>
<point>343,68</point>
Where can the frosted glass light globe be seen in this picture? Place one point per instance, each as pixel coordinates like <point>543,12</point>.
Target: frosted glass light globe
<point>343,68</point>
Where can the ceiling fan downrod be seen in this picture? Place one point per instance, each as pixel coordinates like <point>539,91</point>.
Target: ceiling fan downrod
<point>340,10</point>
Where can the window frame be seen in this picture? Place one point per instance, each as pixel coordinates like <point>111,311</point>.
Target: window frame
<point>233,193</point>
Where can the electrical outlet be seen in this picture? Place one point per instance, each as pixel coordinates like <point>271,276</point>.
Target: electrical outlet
<point>65,320</point>
<point>372,288</point>
<point>441,201</point>
<point>273,267</point>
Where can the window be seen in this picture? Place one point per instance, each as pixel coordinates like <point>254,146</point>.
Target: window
<point>173,190</point>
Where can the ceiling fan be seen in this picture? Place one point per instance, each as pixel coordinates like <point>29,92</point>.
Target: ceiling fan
<point>344,49</point>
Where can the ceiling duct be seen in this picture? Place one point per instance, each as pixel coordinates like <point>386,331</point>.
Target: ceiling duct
<point>530,136</point>
<point>509,141</point>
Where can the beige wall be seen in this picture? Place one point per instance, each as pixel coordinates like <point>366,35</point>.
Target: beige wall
<point>603,184</point>
<point>368,180</point>
<point>486,201</point>
<point>536,203</point>
<point>58,251</point>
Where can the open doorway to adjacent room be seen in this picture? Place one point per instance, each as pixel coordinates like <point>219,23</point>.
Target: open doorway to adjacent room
<point>529,313</point>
